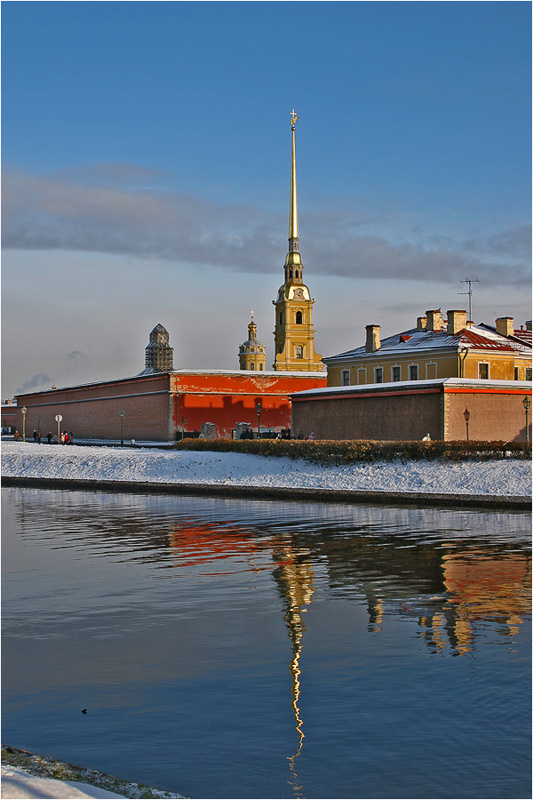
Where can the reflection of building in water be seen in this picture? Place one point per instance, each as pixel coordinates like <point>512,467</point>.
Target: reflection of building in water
<point>194,543</point>
<point>294,577</point>
<point>479,586</point>
<point>446,588</point>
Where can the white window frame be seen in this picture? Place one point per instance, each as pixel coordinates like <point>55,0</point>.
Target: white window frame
<point>393,379</point>
<point>417,368</point>
<point>345,377</point>
<point>483,364</point>
<point>428,365</point>
<point>375,374</point>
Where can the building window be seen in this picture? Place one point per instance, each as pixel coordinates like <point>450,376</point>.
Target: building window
<point>260,368</point>
<point>483,371</point>
<point>297,275</point>
<point>281,319</point>
<point>516,374</point>
<point>528,373</point>
<point>378,375</point>
<point>345,377</point>
<point>252,365</point>
<point>413,372</point>
<point>290,273</point>
<point>396,373</point>
<point>299,351</point>
<point>299,318</point>
<point>243,366</point>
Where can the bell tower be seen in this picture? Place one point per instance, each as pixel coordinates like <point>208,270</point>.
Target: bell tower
<point>252,354</point>
<point>293,333</point>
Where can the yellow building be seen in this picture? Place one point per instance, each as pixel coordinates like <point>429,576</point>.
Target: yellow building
<point>437,348</point>
<point>293,333</point>
<point>252,354</point>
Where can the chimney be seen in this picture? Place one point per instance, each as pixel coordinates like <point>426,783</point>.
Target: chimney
<point>505,326</point>
<point>528,325</point>
<point>435,321</point>
<point>421,323</point>
<point>372,338</point>
<point>456,321</point>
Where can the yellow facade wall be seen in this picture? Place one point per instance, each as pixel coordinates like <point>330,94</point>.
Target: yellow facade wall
<point>430,365</point>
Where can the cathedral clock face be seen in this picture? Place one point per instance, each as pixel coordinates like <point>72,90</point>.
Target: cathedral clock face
<point>299,293</point>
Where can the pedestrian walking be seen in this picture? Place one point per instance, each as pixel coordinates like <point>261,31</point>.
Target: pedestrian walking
<point>34,436</point>
<point>49,437</point>
<point>17,434</point>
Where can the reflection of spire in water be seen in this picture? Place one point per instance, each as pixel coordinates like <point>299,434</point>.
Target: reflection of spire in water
<point>295,580</point>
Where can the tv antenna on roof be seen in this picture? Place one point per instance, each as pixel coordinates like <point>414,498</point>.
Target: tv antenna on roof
<point>469,281</point>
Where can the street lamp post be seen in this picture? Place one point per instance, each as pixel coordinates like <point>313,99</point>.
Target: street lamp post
<point>39,428</point>
<point>59,420</point>
<point>121,427</point>
<point>183,423</point>
<point>24,410</point>
<point>526,402</point>
<point>466,415</point>
<point>258,408</point>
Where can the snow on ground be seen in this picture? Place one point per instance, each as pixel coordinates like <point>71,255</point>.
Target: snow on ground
<point>510,477</point>
<point>19,784</point>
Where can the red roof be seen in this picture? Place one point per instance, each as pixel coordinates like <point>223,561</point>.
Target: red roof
<point>484,342</point>
<point>524,336</point>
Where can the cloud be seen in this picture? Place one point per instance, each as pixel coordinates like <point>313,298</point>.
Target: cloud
<point>36,382</point>
<point>75,355</point>
<point>107,214</point>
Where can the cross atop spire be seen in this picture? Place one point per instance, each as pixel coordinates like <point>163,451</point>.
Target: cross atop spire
<point>294,117</point>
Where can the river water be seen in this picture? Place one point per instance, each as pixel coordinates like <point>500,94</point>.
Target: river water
<point>261,649</point>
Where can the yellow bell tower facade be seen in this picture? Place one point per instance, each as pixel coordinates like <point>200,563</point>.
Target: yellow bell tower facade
<point>293,333</point>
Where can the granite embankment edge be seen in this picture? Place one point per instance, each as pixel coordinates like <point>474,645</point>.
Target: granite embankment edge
<point>496,502</point>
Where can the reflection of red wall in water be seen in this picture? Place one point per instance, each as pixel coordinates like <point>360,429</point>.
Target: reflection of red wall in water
<point>194,545</point>
<point>487,587</point>
<point>227,398</point>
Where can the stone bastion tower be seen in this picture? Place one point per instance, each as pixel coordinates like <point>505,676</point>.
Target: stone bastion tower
<point>293,332</point>
<point>159,355</point>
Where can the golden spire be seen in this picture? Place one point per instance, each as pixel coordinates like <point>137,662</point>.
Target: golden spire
<point>293,258</point>
<point>293,222</point>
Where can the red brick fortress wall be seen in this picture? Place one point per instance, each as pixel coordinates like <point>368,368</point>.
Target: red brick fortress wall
<point>493,414</point>
<point>396,412</point>
<point>92,411</point>
<point>227,398</point>
<point>382,416</point>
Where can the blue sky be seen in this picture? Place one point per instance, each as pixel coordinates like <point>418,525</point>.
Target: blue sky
<point>146,157</point>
